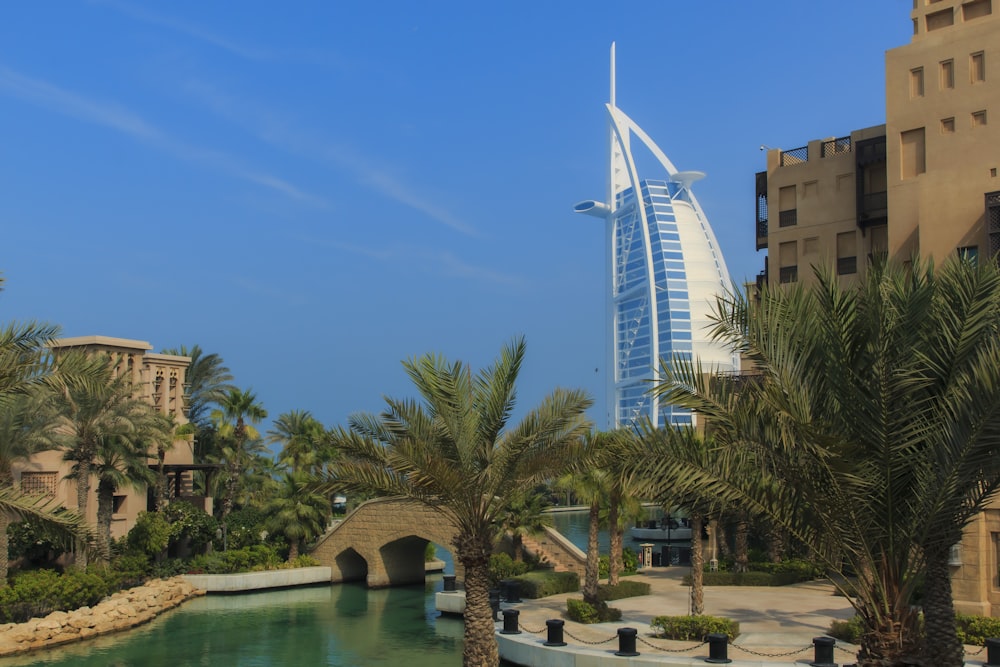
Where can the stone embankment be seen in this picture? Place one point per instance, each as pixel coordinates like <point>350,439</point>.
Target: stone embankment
<point>123,610</point>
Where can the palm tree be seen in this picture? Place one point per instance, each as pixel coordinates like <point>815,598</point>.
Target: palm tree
<point>623,502</point>
<point>236,409</point>
<point>870,435</point>
<point>94,407</point>
<point>116,463</point>
<point>589,481</point>
<point>209,382</point>
<point>454,452</point>
<point>24,366</point>
<point>296,511</point>
<point>523,515</point>
<point>303,441</point>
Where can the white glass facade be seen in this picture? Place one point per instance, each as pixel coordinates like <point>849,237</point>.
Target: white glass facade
<point>665,269</point>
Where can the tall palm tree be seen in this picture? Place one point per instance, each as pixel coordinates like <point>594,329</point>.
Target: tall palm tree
<point>523,515</point>
<point>296,511</point>
<point>238,411</point>
<point>453,451</point>
<point>872,432</point>
<point>93,406</point>
<point>209,382</point>
<point>303,440</point>
<point>116,463</point>
<point>590,481</point>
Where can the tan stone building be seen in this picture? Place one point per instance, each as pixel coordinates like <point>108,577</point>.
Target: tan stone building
<point>159,380</point>
<point>925,183</point>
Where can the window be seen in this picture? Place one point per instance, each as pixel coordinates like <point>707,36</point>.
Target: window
<point>977,67</point>
<point>970,253</point>
<point>912,153</point>
<point>946,77</point>
<point>787,213</point>
<point>917,82</point>
<point>976,9</point>
<point>948,125</point>
<point>119,505</point>
<point>993,221</point>
<point>810,246</point>
<point>979,118</point>
<point>941,19</point>
<point>41,483</point>
<point>788,263</point>
<point>879,240</point>
<point>847,253</point>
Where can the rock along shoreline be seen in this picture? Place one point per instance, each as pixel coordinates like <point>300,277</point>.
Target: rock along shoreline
<point>120,611</point>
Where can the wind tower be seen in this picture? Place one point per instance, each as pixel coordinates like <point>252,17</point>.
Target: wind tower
<point>664,269</point>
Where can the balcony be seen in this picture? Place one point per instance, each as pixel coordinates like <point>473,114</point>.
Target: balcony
<point>788,218</point>
<point>761,209</point>
<point>838,146</point>
<point>795,156</point>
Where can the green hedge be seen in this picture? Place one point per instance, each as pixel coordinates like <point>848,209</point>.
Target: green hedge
<point>248,559</point>
<point>972,630</point>
<point>690,628</point>
<point>40,592</point>
<point>584,612</point>
<point>748,578</point>
<point>849,631</point>
<point>543,583</point>
<point>624,589</point>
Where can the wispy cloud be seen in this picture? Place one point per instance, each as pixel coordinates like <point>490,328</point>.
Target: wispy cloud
<point>270,128</point>
<point>266,291</point>
<point>59,100</point>
<point>190,29</point>
<point>433,261</point>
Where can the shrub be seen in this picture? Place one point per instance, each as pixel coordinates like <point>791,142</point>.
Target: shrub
<point>630,564</point>
<point>243,528</point>
<point>803,569</point>
<point>502,566</point>
<point>849,631</point>
<point>747,579</point>
<point>543,583</point>
<point>976,630</point>
<point>248,559</point>
<point>584,612</point>
<point>39,592</point>
<point>150,535</point>
<point>29,539</point>
<point>624,589</point>
<point>430,552</point>
<point>303,560</point>
<point>690,628</point>
<point>128,570</point>
<point>190,524</point>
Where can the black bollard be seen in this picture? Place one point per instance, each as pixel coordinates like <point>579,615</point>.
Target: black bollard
<point>510,622</point>
<point>511,590</point>
<point>992,653</point>
<point>555,627</point>
<point>626,642</point>
<point>718,647</point>
<point>449,583</point>
<point>495,603</point>
<point>823,652</point>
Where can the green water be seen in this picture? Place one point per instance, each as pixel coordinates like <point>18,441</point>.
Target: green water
<point>344,625</point>
<point>341,625</point>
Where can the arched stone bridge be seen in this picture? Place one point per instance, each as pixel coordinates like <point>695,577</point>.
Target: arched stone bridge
<point>382,542</point>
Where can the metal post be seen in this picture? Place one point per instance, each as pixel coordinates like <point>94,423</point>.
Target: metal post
<point>449,583</point>
<point>510,622</point>
<point>626,642</point>
<point>510,590</point>
<point>992,653</point>
<point>823,652</point>
<point>718,648</point>
<point>555,628</point>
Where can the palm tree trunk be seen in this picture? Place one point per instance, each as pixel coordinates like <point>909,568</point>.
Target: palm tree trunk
<point>293,551</point>
<point>722,539</point>
<point>480,648</point>
<point>697,566</point>
<point>82,496</point>
<point>615,538</point>
<point>105,508</point>
<point>593,557</point>
<point>776,544</point>
<point>943,647</point>
<point>894,642</point>
<point>518,544</point>
<point>742,544</point>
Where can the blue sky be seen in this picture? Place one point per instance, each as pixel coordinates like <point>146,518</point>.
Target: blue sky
<point>318,190</point>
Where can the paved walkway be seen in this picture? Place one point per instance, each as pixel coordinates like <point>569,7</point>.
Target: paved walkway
<point>777,624</point>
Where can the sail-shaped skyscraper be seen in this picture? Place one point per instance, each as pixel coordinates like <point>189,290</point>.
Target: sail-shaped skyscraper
<point>664,270</point>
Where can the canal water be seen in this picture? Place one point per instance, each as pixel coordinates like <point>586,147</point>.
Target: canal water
<point>344,625</point>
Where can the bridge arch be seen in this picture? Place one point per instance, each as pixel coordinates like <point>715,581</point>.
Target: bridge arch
<point>383,541</point>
